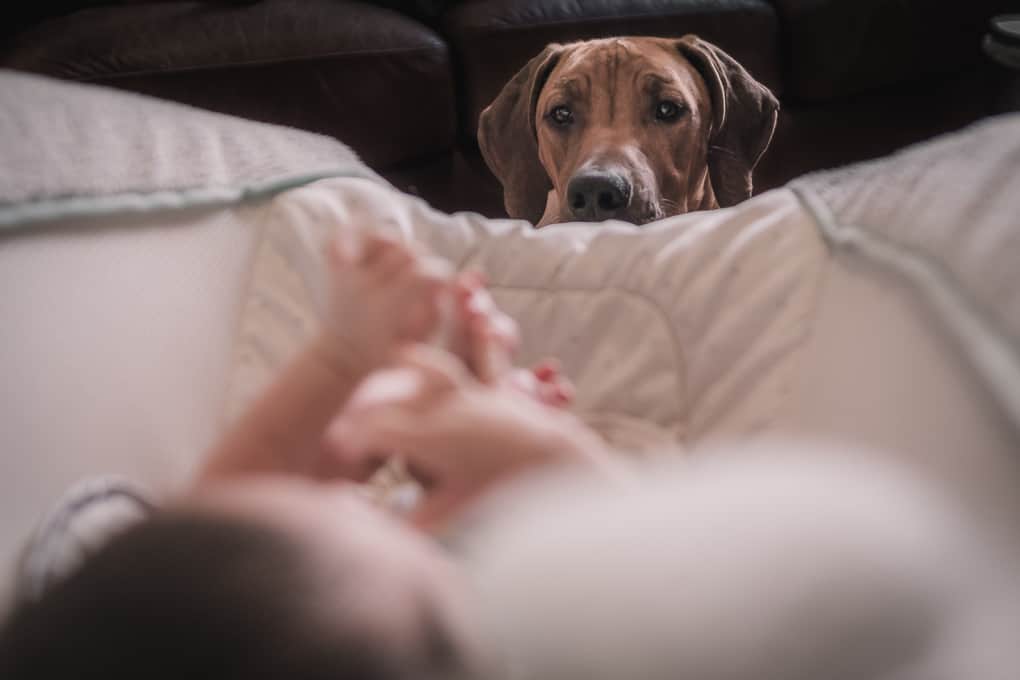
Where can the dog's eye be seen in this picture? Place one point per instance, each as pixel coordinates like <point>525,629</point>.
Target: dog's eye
<point>561,115</point>
<point>667,110</point>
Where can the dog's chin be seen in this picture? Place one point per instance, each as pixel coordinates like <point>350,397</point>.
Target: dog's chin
<point>653,214</point>
<point>639,217</point>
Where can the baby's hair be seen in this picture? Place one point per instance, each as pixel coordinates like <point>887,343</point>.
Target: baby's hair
<point>191,595</point>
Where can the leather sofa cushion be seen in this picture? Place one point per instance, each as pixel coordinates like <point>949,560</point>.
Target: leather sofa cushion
<point>495,38</point>
<point>347,69</point>
<point>839,48</point>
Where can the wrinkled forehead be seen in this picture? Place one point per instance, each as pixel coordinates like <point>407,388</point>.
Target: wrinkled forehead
<point>623,67</point>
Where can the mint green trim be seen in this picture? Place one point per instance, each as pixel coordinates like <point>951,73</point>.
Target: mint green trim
<point>26,214</point>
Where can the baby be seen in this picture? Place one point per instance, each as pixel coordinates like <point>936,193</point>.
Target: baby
<point>270,566</point>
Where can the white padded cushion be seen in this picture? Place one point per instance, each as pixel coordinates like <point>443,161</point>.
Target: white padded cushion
<point>673,333</point>
<point>127,228</point>
<point>916,347</point>
<point>117,347</point>
<point>68,144</point>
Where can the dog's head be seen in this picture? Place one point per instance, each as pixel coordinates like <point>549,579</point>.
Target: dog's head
<point>627,128</point>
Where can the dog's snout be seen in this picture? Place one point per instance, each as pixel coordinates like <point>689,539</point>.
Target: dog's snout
<point>598,195</point>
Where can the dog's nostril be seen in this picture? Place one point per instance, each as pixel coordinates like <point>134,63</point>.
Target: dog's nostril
<point>597,195</point>
<point>610,200</point>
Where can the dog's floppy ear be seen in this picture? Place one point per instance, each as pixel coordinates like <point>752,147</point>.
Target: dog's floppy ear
<point>744,118</point>
<point>507,138</point>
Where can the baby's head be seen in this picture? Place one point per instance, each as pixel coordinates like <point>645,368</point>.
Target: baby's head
<point>269,579</point>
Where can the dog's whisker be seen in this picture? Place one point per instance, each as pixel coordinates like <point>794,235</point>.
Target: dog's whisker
<point>722,149</point>
<point>667,207</point>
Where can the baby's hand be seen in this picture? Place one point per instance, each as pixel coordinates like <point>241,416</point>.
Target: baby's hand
<point>382,297</point>
<point>456,435</point>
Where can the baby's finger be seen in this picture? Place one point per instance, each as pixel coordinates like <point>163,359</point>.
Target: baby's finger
<point>439,370</point>
<point>391,260</point>
<point>430,266</point>
<point>555,394</point>
<point>461,292</point>
<point>422,321</point>
<point>357,446</point>
<point>483,350</point>
<point>339,252</point>
<point>471,279</point>
<point>400,430</point>
<point>437,508</point>
<point>506,331</point>
<point>547,370</point>
<point>374,245</point>
<point>340,460</point>
<point>422,283</point>
<point>424,315</point>
<point>503,328</point>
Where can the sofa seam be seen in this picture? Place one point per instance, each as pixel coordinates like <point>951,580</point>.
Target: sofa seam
<point>17,215</point>
<point>488,29</point>
<point>979,341</point>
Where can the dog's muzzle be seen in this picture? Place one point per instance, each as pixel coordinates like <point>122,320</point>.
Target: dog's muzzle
<point>597,195</point>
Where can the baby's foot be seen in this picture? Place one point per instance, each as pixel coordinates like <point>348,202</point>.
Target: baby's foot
<point>544,383</point>
<point>492,337</point>
<point>382,296</point>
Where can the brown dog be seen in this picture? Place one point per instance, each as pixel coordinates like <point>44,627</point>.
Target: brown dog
<point>626,128</point>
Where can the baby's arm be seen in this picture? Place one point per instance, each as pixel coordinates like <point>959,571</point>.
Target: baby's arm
<point>382,298</point>
<point>280,432</point>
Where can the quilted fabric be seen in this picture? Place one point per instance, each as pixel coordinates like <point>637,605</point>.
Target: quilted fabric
<point>672,333</point>
<point>70,150</point>
<point>955,201</point>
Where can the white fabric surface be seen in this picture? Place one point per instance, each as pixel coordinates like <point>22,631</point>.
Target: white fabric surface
<point>779,561</point>
<point>879,372</point>
<point>954,201</point>
<point>916,346</point>
<point>117,347</point>
<point>673,333</point>
<point>64,141</point>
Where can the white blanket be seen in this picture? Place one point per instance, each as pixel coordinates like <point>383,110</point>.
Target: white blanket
<point>136,324</point>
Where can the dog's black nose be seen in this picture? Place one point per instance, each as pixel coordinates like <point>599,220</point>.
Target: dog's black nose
<point>597,195</point>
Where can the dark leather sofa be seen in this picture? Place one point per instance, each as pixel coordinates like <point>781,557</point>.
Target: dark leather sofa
<point>403,82</point>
